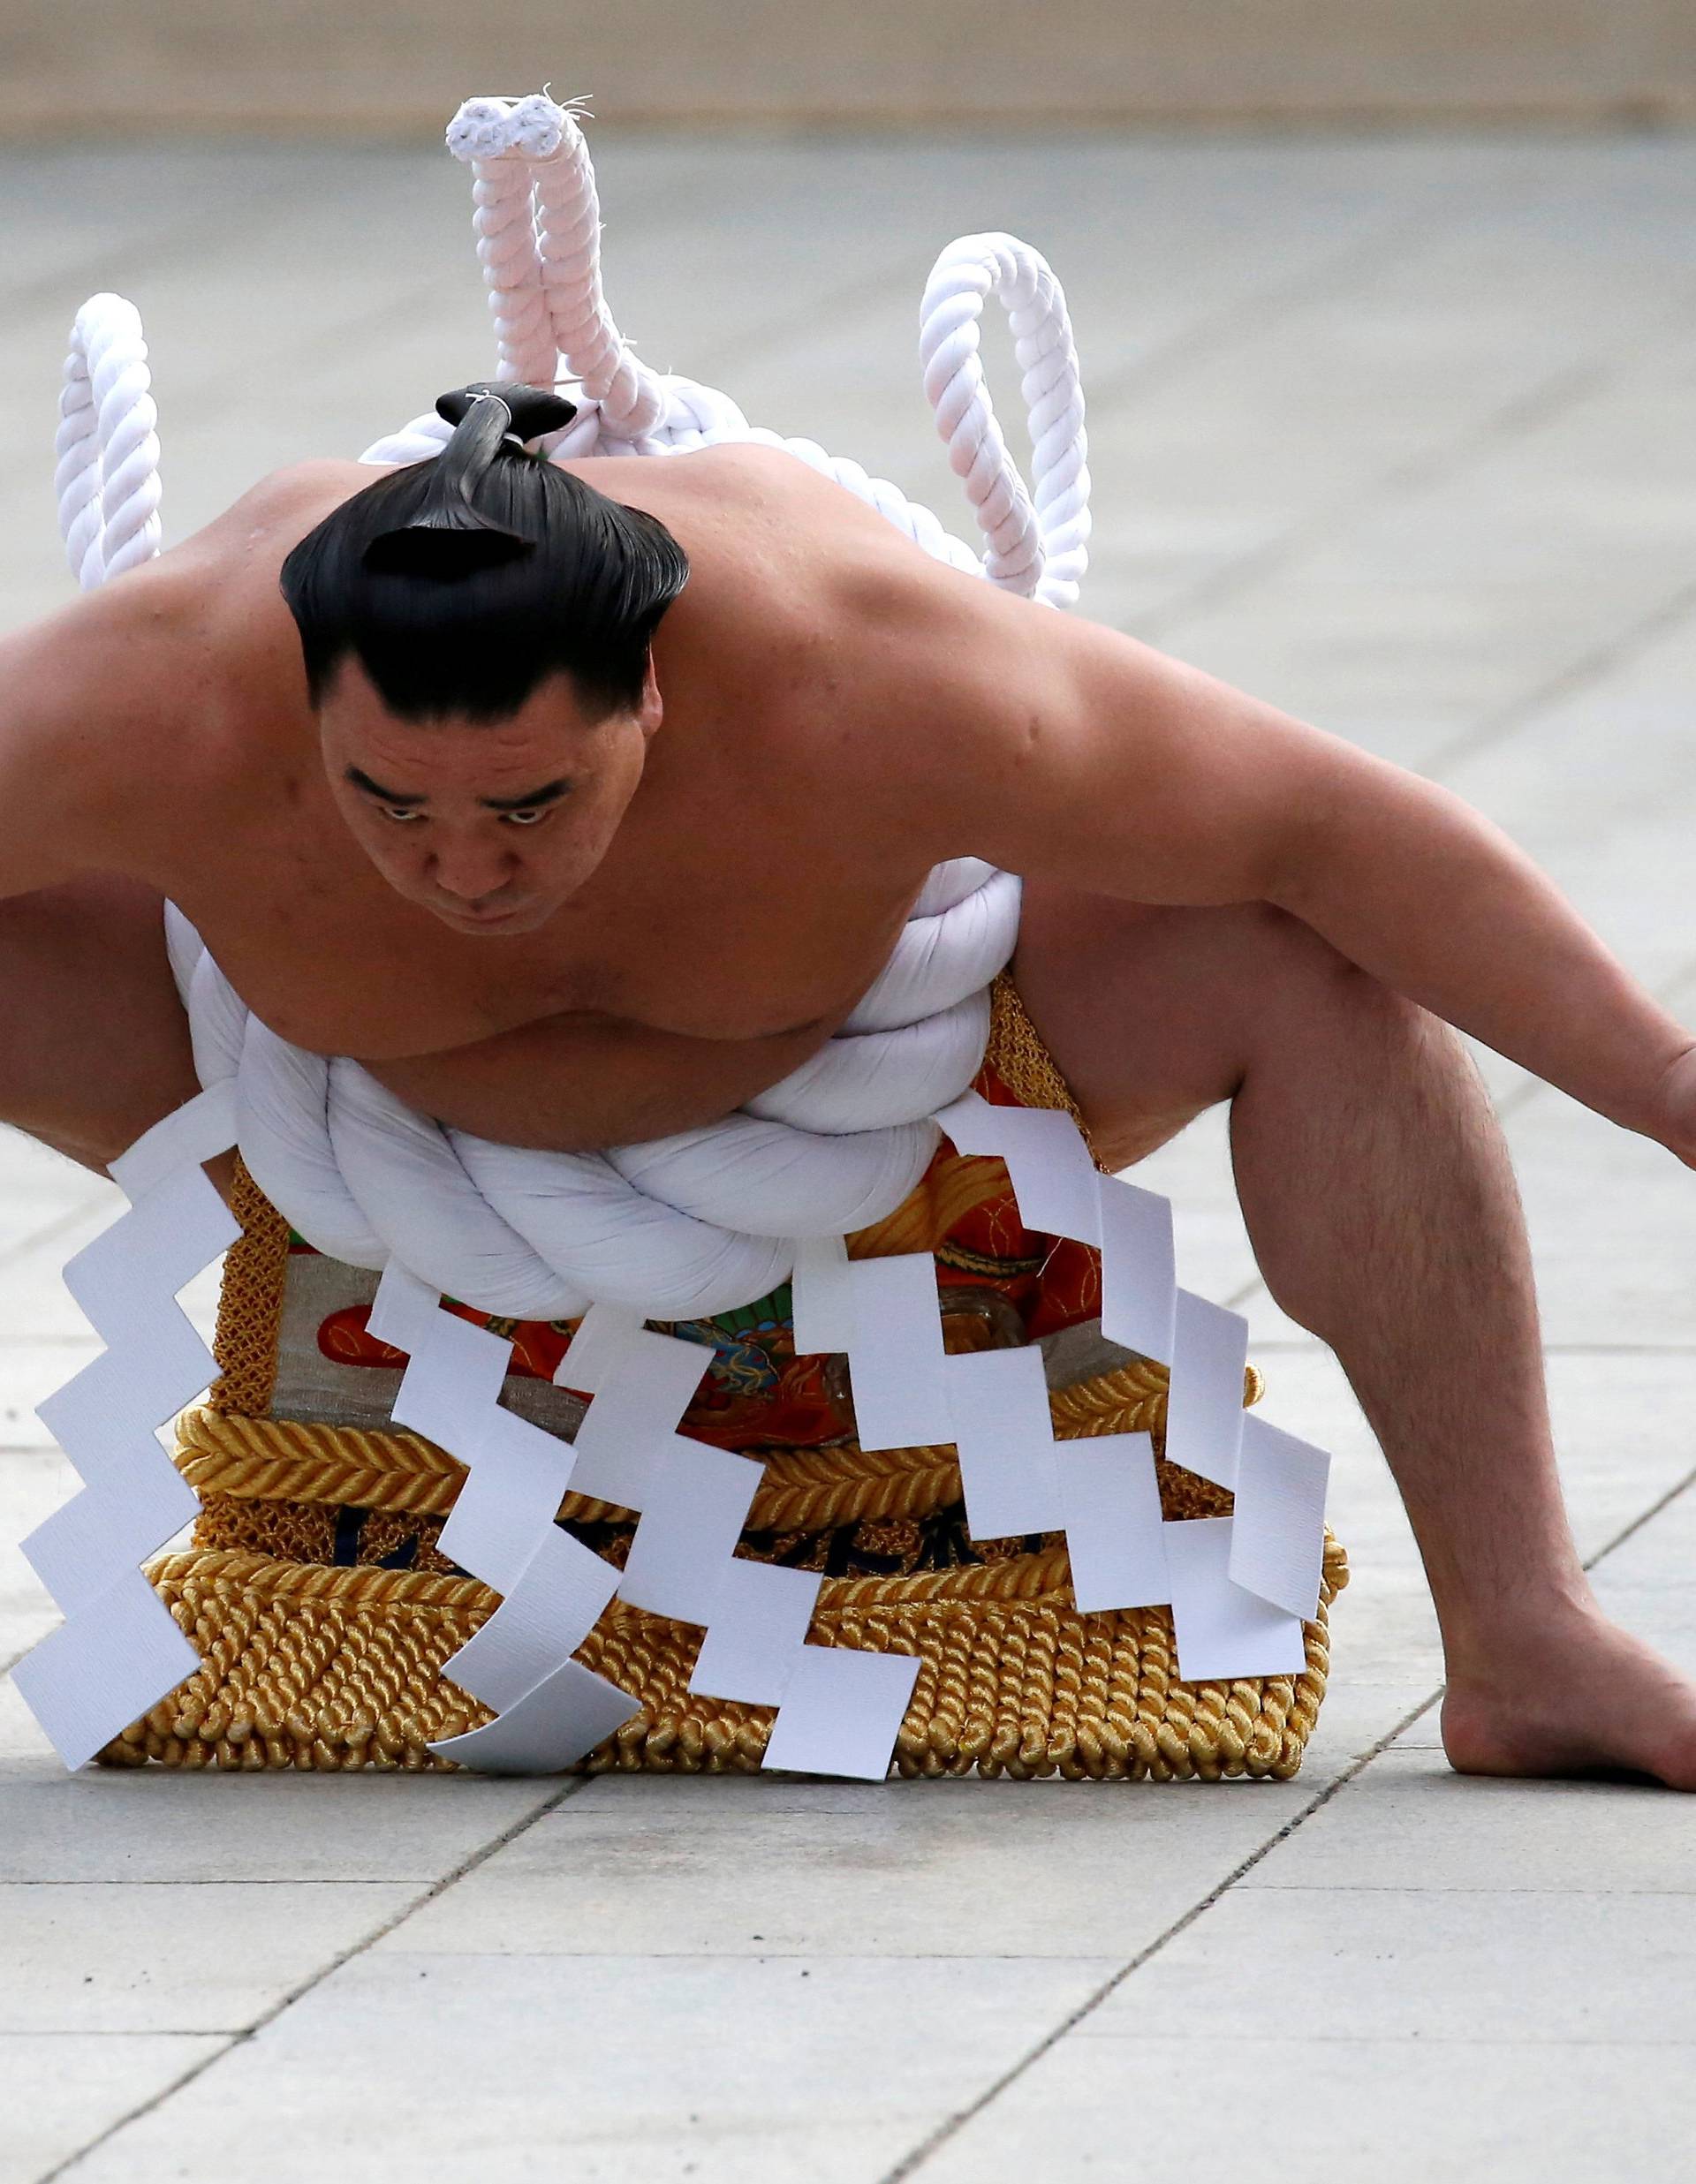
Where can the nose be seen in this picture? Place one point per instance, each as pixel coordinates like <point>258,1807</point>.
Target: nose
<point>471,870</point>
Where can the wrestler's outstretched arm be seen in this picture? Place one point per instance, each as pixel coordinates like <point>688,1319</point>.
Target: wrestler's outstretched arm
<point>1111,768</point>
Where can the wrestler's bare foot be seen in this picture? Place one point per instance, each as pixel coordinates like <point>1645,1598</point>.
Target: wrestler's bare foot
<point>1576,1695</point>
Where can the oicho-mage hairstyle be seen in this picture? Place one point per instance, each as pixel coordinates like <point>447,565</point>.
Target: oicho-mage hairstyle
<point>461,583</point>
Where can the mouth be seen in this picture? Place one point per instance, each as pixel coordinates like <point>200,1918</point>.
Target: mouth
<point>476,920</point>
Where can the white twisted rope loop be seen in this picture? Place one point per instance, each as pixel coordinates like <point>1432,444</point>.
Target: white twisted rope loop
<point>107,445</point>
<point>1036,538</point>
<point>1040,550</point>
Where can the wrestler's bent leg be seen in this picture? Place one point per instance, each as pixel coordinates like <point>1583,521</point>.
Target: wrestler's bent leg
<point>1381,1205</point>
<point>97,1046</point>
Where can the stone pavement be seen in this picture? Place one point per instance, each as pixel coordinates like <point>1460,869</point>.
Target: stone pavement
<point>1396,433</point>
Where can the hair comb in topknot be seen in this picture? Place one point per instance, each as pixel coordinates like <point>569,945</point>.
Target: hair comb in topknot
<point>449,536</point>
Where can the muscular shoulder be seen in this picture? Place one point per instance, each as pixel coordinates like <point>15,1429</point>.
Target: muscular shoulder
<point>267,519</point>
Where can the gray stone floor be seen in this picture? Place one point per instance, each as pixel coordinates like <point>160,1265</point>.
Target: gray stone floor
<point>1398,432</point>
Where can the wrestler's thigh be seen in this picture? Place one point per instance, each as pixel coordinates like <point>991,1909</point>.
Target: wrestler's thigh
<point>97,1046</point>
<point>1152,1014</point>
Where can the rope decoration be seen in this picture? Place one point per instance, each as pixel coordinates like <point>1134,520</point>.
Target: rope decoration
<point>546,256</point>
<point>698,1222</point>
<point>107,445</point>
<point>1040,549</point>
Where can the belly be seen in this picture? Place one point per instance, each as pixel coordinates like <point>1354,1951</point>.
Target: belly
<point>572,1084</point>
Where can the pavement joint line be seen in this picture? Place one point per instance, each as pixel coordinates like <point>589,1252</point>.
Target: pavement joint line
<point>187,2076</point>
<point>1580,674</point>
<point>1646,1516</point>
<point>1529,409</point>
<point>911,2162</point>
<point>1242,321</point>
<point>914,2161</point>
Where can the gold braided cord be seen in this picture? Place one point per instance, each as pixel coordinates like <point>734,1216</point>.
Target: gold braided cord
<point>804,1489</point>
<point>319,1668</point>
<point>360,1586</point>
<point>250,1302</point>
<point>284,1459</point>
<point>1019,1059</point>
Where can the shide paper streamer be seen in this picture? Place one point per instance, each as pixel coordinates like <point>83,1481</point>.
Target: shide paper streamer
<point>1240,1587</point>
<point>118,1651</point>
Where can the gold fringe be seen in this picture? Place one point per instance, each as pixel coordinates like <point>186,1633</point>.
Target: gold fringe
<point>313,1668</point>
<point>250,1302</point>
<point>804,1489</point>
<point>1019,1059</point>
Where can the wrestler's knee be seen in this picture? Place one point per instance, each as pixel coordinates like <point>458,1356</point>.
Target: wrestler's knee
<point>1155,1013</point>
<point>1321,1004</point>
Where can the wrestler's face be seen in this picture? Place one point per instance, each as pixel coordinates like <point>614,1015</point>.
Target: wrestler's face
<point>489,826</point>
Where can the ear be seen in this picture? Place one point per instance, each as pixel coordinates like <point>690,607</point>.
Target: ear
<point>650,708</point>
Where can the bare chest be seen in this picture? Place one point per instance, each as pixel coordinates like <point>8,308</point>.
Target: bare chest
<point>753,949</point>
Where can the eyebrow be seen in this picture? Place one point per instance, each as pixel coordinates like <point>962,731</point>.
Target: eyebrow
<point>550,792</point>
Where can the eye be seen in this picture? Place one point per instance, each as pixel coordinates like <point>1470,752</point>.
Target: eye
<point>399,814</point>
<point>526,819</point>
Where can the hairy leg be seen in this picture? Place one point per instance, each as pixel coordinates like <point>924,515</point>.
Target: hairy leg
<point>99,1046</point>
<point>1381,1205</point>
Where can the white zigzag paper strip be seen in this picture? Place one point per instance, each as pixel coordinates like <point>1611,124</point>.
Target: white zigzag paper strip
<point>1243,1588</point>
<point>118,1651</point>
<point>1240,1591</point>
<point>549,1710</point>
<point>692,1500</point>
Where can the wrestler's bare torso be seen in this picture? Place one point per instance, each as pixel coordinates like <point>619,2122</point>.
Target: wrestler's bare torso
<point>840,711</point>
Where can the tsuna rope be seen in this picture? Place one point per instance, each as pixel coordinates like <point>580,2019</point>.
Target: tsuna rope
<point>108,445</point>
<point>706,1220</point>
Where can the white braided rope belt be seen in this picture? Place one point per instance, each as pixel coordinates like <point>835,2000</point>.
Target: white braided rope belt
<point>678,1226</point>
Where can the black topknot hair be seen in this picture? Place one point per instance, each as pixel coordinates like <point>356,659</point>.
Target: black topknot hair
<point>461,583</point>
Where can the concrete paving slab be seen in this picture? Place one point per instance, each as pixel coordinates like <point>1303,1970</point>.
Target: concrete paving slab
<point>157,1825</point>
<point>610,2068</point>
<point>1610,1215</point>
<point>1408,1823</point>
<point>211,1956</point>
<point>37,1481</point>
<point>1400,2111</point>
<point>985,1870</point>
<point>1420,1963</point>
<point>60,2090</point>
